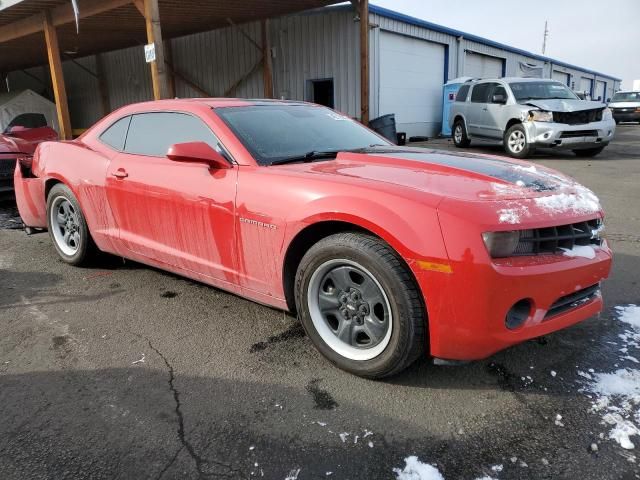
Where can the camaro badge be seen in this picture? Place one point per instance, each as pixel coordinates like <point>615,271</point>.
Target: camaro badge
<point>257,223</point>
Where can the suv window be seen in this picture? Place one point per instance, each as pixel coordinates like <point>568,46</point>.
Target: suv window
<point>114,135</point>
<point>153,133</point>
<point>28,120</point>
<point>496,89</point>
<point>462,93</point>
<point>480,93</point>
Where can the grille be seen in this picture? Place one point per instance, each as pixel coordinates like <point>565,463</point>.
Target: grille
<point>574,300</point>
<point>578,118</point>
<point>7,167</point>
<point>553,239</point>
<point>579,133</point>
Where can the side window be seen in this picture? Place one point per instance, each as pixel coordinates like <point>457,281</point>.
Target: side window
<point>115,135</point>
<point>480,93</point>
<point>28,120</point>
<point>462,93</point>
<point>496,89</point>
<point>153,133</point>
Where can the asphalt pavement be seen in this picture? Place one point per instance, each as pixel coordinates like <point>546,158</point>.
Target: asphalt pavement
<point>124,371</point>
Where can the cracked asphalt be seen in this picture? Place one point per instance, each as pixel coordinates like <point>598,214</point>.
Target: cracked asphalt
<point>124,371</point>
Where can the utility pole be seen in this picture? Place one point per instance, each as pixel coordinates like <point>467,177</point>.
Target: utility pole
<point>544,37</point>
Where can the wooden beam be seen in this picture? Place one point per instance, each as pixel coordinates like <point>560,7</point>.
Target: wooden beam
<point>364,61</point>
<point>232,89</point>
<point>201,91</point>
<point>103,86</point>
<point>140,6</point>
<point>154,35</point>
<point>59,16</point>
<point>267,64</point>
<point>57,78</point>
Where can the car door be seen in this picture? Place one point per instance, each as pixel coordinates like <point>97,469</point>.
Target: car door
<point>477,109</point>
<point>174,213</point>
<point>493,118</point>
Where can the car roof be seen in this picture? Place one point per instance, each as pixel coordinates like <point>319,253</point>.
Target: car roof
<point>210,102</point>
<point>627,91</point>
<point>515,79</point>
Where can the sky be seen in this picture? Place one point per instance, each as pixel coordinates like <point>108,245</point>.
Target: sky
<point>600,35</point>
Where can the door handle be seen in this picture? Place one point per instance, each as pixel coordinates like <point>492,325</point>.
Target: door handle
<point>120,173</point>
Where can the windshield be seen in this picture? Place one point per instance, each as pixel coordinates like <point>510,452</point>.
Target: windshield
<point>524,91</point>
<point>626,97</point>
<point>275,132</point>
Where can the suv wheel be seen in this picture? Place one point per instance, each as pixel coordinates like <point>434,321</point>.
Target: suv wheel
<point>515,142</point>
<point>360,305</point>
<point>588,152</point>
<point>460,138</point>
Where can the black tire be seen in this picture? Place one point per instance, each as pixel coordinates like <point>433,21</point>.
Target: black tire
<point>407,340</point>
<point>461,140</point>
<point>588,152</point>
<point>85,248</point>
<point>517,150</point>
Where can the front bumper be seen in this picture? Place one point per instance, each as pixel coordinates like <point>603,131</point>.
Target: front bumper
<point>626,116</point>
<point>467,307</point>
<point>572,137</point>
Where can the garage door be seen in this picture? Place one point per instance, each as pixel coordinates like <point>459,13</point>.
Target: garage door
<point>411,78</point>
<point>561,77</point>
<point>482,66</point>
<point>586,85</point>
<point>601,93</point>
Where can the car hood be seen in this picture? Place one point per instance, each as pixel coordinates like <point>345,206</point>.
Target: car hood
<point>565,105</point>
<point>14,145</point>
<point>469,177</point>
<point>624,104</point>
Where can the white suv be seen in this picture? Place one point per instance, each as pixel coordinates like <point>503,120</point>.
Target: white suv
<point>530,113</point>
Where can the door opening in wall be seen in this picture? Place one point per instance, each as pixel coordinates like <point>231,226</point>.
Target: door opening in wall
<point>321,92</point>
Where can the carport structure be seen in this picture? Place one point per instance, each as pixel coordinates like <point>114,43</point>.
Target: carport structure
<point>39,32</point>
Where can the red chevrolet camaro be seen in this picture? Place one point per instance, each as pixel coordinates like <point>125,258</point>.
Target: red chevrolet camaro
<point>386,253</point>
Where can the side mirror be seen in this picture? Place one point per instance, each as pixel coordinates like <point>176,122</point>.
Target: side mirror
<point>501,99</point>
<point>197,152</point>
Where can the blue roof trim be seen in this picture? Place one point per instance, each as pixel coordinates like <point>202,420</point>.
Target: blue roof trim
<point>385,12</point>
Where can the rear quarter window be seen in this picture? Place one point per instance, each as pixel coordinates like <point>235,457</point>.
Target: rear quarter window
<point>462,93</point>
<point>115,135</point>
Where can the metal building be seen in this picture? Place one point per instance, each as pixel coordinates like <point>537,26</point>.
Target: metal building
<point>315,57</point>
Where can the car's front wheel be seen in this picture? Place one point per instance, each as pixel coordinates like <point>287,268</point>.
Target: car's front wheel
<point>515,142</point>
<point>460,138</point>
<point>588,152</point>
<point>68,227</point>
<point>360,305</point>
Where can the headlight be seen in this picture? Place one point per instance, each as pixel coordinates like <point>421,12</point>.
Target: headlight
<point>540,116</point>
<point>606,114</point>
<point>501,244</point>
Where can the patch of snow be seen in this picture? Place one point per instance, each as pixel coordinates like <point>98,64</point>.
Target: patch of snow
<point>486,477</point>
<point>293,474</point>
<point>343,436</point>
<point>497,468</point>
<point>617,393</point>
<point>553,373</point>
<point>508,215</point>
<point>530,168</point>
<point>585,251</point>
<point>414,469</point>
<point>370,444</point>
<point>583,201</point>
<point>558,420</point>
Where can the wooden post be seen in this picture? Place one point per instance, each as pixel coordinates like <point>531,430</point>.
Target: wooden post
<point>154,35</point>
<point>103,87</point>
<point>364,61</point>
<point>57,77</point>
<point>267,64</point>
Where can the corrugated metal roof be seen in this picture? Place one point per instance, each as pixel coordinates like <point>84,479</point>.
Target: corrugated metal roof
<point>125,27</point>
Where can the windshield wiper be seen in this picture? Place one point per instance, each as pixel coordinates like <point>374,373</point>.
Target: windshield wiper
<point>308,157</point>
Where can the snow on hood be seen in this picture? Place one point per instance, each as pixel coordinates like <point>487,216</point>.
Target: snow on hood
<point>624,104</point>
<point>565,105</point>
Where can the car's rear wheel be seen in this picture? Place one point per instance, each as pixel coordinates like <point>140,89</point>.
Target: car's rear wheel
<point>460,138</point>
<point>68,227</point>
<point>515,142</point>
<point>360,305</point>
<point>588,152</point>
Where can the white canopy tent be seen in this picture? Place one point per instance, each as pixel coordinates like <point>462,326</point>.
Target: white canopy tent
<point>15,103</point>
